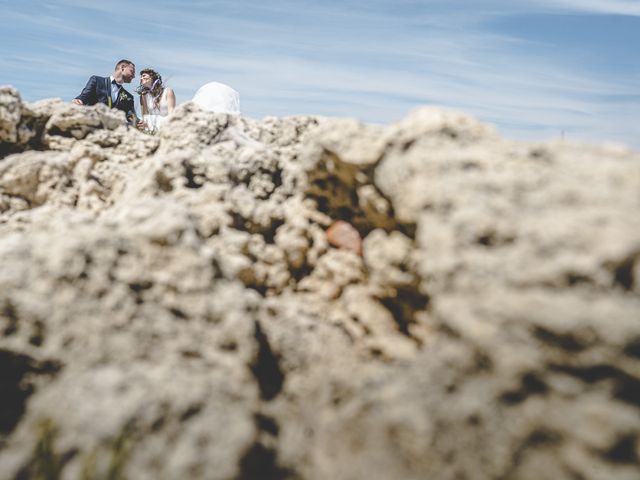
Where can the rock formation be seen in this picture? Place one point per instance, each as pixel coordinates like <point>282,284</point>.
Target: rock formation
<point>173,306</point>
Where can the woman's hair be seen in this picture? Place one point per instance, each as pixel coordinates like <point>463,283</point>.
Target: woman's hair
<point>156,87</point>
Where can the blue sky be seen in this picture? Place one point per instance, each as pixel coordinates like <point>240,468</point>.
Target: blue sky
<point>536,69</point>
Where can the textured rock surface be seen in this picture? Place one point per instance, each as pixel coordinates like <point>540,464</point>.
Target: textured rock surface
<point>172,306</point>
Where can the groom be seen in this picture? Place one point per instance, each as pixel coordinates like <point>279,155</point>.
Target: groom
<point>109,90</point>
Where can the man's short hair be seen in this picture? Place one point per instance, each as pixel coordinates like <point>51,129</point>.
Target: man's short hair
<point>124,62</point>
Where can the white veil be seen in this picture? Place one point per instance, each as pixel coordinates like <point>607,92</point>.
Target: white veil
<point>217,97</point>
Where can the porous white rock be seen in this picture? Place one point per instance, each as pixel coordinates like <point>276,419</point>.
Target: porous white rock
<point>171,306</point>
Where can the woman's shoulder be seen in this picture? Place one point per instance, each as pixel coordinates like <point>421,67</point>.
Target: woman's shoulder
<point>169,95</point>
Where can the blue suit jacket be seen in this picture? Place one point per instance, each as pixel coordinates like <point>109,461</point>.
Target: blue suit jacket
<point>98,90</point>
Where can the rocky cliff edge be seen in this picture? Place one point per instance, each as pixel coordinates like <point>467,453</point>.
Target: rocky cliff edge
<point>313,298</point>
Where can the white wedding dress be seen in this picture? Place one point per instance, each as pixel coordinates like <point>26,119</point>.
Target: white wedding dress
<point>217,97</point>
<point>156,114</point>
<point>212,97</point>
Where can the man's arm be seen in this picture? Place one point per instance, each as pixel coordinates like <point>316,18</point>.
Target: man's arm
<point>130,111</point>
<point>88,95</point>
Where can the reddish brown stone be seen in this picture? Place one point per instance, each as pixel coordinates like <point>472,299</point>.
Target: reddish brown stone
<point>343,235</point>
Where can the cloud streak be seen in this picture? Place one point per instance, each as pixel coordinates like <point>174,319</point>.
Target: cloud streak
<point>607,7</point>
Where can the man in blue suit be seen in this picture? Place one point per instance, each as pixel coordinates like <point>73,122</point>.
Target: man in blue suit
<point>109,90</point>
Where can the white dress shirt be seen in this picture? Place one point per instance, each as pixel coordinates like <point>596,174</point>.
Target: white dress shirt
<point>115,89</point>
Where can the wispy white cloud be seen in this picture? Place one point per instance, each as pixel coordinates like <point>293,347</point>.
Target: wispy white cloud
<point>611,7</point>
<point>473,8</point>
<point>52,24</point>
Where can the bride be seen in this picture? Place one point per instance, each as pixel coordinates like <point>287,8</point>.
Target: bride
<point>157,100</point>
